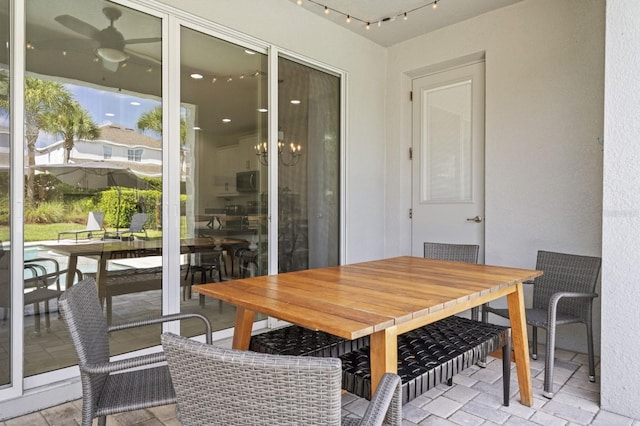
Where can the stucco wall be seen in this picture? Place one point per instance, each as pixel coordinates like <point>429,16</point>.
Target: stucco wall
<point>544,117</point>
<point>621,216</point>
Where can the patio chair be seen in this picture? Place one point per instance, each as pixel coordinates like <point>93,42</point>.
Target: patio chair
<point>562,295</point>
<point>106,389</point>
<point>231,387</point>
<point>467,253</point>
<point>40,275</point>
<point>94,226</point>
<point>136,226</point>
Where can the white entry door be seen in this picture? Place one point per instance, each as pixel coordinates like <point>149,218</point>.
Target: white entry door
<point>448,158</point>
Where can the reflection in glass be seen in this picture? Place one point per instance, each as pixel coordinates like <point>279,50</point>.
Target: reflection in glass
<point>92,94</point>
<point>5,201</point>
<point>224,186</point>
<point>308,189</point>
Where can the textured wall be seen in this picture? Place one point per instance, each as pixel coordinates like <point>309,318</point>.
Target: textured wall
<point>621,215</point>
<point>544,117</point>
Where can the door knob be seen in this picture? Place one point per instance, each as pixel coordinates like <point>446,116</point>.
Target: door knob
<point>476,219</point>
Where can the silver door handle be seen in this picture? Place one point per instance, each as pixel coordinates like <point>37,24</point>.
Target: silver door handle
<point>476,219</point>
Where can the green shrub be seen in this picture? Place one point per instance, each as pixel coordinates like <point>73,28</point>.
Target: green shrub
<point>48,212</point>
<point>129,201</point>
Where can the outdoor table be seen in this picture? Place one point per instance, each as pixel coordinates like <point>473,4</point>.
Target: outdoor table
<point>383,299</point>
<point>104,250</point>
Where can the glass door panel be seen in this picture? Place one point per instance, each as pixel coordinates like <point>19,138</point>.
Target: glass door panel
<point>93,93</point>
<point>223,182</point>
<point>308,167</point>
<point>5,199</point>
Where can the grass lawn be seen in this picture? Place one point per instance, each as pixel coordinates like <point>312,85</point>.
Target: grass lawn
<point>37,232</point>
<point>46,232</point>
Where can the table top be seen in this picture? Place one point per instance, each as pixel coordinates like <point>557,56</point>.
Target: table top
<point>358,299</point>
<point>104,247</point>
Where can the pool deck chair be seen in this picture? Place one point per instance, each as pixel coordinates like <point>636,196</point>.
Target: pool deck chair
<point>94,226</point>
<point>136,226</point>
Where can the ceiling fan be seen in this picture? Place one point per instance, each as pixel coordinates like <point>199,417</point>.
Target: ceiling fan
<point>109,44</point>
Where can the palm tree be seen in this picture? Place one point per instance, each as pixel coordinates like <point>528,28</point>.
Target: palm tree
<point>40,98</point>
<point>72,122</point>
<point>152,120</point>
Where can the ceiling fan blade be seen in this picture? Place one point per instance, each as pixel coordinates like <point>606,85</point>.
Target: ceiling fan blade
<point>66,44</point>
<point>143,40</point>
<point>78,26</point>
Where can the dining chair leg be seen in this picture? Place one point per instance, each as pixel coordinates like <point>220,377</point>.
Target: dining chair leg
<point>549,361</point>
<point>506,371</point>
<point>36,318</point>
<point>534,343</point>
<point>590,353</point>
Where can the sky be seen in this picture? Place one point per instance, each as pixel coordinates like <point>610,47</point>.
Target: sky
<point>105,107</point>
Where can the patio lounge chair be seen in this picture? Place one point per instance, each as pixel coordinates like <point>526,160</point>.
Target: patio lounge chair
<point>222,386</point>
<point>136,226</point>
<point>94,226</point>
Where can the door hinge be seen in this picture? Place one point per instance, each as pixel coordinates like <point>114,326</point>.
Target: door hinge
<point>411,96</point>
<point>410,153</point>
<point>410,213</point>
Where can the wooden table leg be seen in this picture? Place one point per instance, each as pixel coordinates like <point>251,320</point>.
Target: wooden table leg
<point>242,331</point>
<point>101,278</point>
<point>383,355</point>
<point>515,302</point>
<point>72,266</point>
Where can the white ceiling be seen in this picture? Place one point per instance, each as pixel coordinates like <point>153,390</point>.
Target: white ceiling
<point>421,16</point>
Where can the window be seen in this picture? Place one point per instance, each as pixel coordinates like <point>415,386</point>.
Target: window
<point>106,152</point>
<point>134,155</point>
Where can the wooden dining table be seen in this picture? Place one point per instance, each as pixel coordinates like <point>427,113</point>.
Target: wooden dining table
<point>103,251</point>
<point>382,299</point>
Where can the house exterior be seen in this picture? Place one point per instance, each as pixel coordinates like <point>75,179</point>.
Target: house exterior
<point>561,77</point>
<point>116,144</point>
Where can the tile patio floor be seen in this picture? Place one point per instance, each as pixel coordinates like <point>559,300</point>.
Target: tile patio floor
<point>474,399</point>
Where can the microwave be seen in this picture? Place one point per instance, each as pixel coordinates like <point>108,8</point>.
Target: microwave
<point>248,181</point>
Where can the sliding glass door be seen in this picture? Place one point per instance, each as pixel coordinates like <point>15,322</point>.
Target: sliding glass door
<point>93,146</point>
<point>101,150</point>
<point>6,330</point>
<point>224,188</point>
<point>308,167</point>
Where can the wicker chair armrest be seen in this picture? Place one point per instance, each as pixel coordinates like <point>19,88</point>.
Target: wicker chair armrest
<point>123,364</point>
<point>162,319</point>
<point>562,294</point>
<point>386,401</point>
<point>555,299</point>
<point>44,259</point>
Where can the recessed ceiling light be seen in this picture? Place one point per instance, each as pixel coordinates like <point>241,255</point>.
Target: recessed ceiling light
<point>110,114</point>
<point>262,110</point>
<point>249,52</point>
<point>134,103</point>
<point>226,120</point>
<point>196,76</point>
<point>295,101</point>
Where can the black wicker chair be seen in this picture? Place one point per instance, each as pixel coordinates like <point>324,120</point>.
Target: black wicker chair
<point>105,393</point>
<point>562,295</point>
<point>230,387</point>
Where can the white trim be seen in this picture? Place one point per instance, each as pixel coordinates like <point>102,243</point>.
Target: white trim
<point>171,169</point>
<point>272,160</point>
<point>17,16</point>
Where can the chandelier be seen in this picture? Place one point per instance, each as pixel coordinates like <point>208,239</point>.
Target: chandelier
<point>289,155</point>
